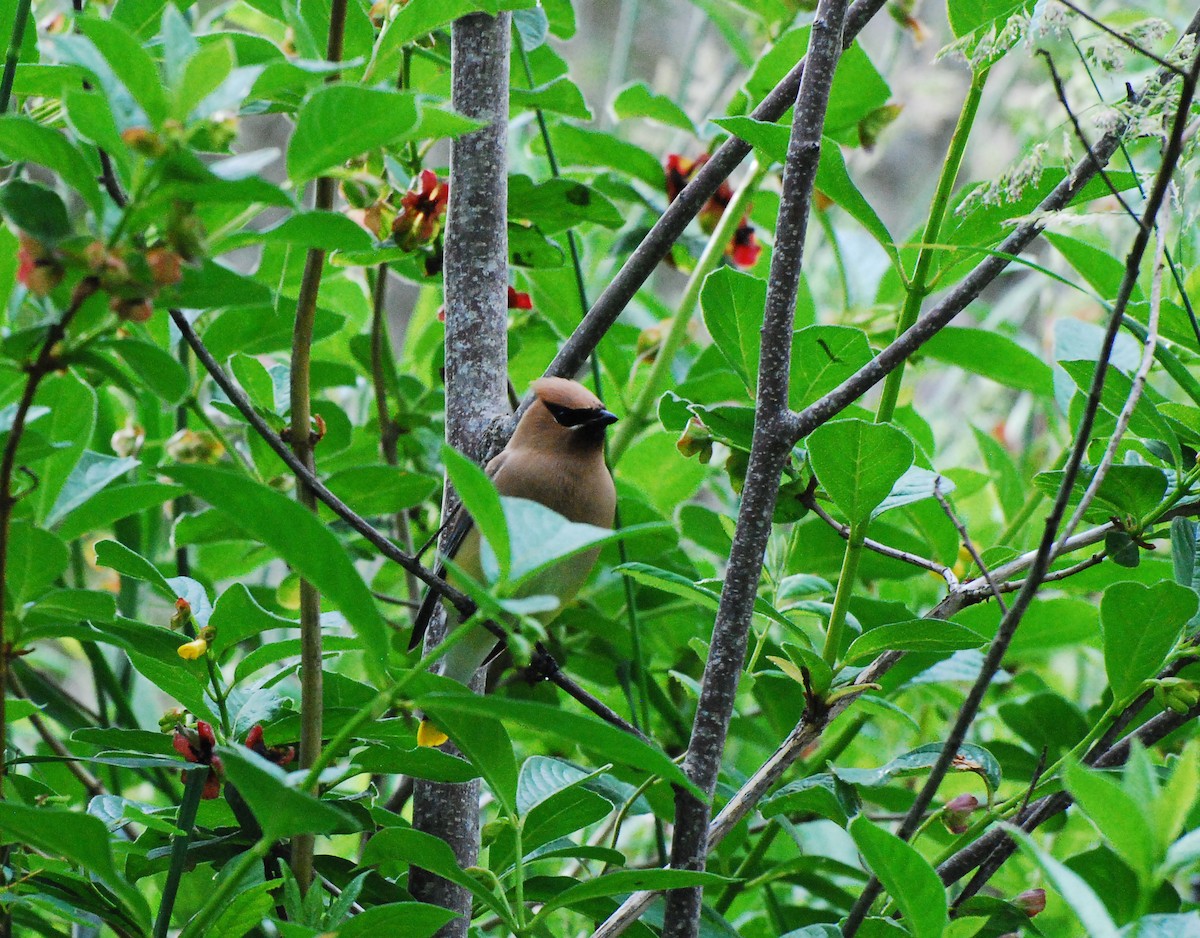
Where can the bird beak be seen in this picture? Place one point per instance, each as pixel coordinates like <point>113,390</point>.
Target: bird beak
<point>604,418</point>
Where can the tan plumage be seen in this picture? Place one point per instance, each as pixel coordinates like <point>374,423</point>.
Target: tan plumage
<point>556,458</point>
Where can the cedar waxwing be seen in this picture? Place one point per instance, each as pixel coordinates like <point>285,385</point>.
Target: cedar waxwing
<point>556,458</point>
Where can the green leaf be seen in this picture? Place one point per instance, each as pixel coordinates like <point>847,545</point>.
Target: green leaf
<point>822,358</point>
<point>1070,885</point>
<point>578,146</point>
<point>484,741</point>
<point>329,231</point>
<point>916,761</point>
<point>558,204</point>
<point>117,556</point>
<point>925,635</point>
<point>542,538</point>
<point>587,732</point>
<point>1142,624</point>
<point>906,875</point>
<point>157,367</point>
<point>1184,555</point>
<point>732,303</point>
<point>411,919</point>
<point>237,617</point>
<point>637,100</point>
<point>627,881</point>
<point>24,140</point>
<point>308,546</point>
<point>113,503</point>
<point>967,17</point>
<point>71,421</point>
<point>481,501</point>
<point>1117,814</point>
<point>381,489</point>
<point>858,462</point>
<point>91,474</point>
<point>824,795</point>
<point>80,838</point>
<point>560,96</point>
<point>36,558</point>
<point>404,845</point>
<point>324,139</point>
<point>130,62</point>
<point>992,355</point>
<point>36,210</point>
<point>281,810</point>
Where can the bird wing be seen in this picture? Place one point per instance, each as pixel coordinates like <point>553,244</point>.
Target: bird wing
<point>458,527</point>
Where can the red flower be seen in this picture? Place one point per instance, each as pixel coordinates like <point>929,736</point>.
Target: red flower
<point>421,211</point>
<point>518,300</point>
<point>743,249</point>
<point>197,746</point>
<point>279,755</point>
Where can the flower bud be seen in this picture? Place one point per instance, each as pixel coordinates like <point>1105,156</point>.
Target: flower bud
<point>166,266</point>
<point>183,613</point>
<point>144,142</point>
<point>171,719</point>
<point>188,446</point>
<point>129,439</point>
<point>956,815</point>
<point>1176,693</point>
<point>1031,901</point>
<point>138,309</point>
<point>38,267</point>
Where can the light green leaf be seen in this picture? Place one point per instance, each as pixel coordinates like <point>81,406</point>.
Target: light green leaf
<point>993,355</point>
<point>637,100</point>
<point>324,138</point>
<point>732,302</point>
<point>925,635</point>
<point>24,140</point>
<point>1086,905</point>
<point>481,501</point>
<point>91,474</point>
<point>858,463</point>
<point>1120,818</point>
<point>1141,626</point>
<point>36,558</point>
<point>906,875</point>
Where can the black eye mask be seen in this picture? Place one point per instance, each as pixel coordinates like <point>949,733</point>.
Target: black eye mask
<point>579,416</point>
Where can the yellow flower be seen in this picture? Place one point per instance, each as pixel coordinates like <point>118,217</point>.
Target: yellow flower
<point>193,650</point>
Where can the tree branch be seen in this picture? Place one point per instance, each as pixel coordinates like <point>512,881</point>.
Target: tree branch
<point>769,449</point>
<point>476,271</point>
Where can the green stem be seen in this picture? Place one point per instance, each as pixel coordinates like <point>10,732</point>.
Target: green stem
<point>845,589</point>
<point>14,54</point>
<point>311,677</point>
<point>219,695</point>
<point>746,867</point>
<point>714,251</point>
<point>918,286</point>
<point>519,876</point>
<point>234,873</point>
<point>186,823</point>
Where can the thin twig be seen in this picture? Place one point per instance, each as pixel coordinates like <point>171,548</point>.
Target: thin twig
<point>1123,39</point>
<point>884,550</point>
<point>968,543</point>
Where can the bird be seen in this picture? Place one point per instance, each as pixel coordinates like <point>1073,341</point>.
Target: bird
<point>556,458</point>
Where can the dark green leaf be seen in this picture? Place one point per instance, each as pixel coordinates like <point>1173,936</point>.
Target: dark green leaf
<point>906,875</point>
<point>282,810</point>
<point>1141,625</point>
<point>930,635</point>
<point>858,462</point>
<point>324,138</point>
<point>36,210</point>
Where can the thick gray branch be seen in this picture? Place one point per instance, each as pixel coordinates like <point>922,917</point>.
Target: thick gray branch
<point>769,450</point>
<point>476,271</point>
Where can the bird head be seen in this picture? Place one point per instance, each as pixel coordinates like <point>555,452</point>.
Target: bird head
<point>564,414</point>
